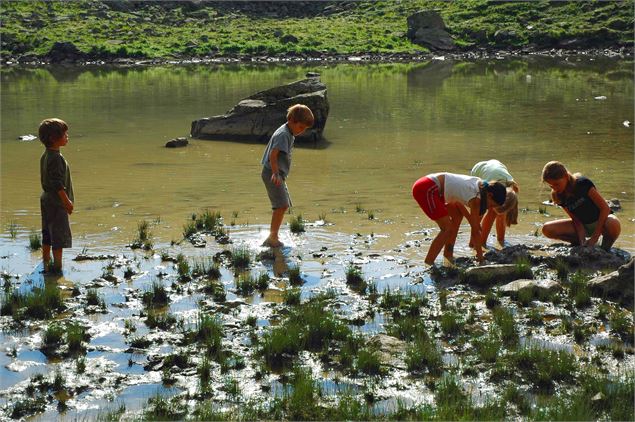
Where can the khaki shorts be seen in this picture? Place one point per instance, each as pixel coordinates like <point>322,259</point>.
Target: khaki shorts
<point>278,195</point>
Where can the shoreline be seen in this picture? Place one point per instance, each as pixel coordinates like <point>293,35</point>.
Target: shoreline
<point>323,58</point>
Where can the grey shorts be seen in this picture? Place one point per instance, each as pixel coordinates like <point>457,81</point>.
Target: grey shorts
<point>56,228</point>
<point>278,195</point>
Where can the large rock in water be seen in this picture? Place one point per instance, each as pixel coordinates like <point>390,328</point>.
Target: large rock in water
<point>256,118</point>
<point>426,28</point>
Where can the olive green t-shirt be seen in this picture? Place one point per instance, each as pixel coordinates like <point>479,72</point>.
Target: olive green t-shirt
<point>55,174</point>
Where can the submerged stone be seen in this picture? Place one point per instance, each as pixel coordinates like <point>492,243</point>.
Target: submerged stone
<point>488,275</point>
<point>617,285</point>
<point>540,288</point>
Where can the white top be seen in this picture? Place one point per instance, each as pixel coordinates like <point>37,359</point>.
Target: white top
<point>459,187</point>
<point>492,170</point>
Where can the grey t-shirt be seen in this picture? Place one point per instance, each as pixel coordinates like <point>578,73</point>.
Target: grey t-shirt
<point>282,139</point>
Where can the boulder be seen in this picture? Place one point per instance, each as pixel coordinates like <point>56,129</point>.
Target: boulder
<point>390,349</point>
<point>255,118</point>
<point>426,28</point>
<point>539,288</point>
<point>487,275</point>
<point>617,285</point>
<point>177,142</point>
<point>61,51</point>
<point>584,257</point>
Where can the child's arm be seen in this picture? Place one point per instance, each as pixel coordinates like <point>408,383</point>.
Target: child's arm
<point>599,201</point>
<point>68,205</point>
<point>276,179</point>
<point>474,218</point>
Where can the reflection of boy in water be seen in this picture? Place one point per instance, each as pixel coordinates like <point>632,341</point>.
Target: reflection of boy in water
<point>56,201</point>
<point>506,214</point>
<point>276,163</point>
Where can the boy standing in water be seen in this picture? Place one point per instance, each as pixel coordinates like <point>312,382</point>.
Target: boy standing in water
<point>276,163</point>
<point>56,201</point>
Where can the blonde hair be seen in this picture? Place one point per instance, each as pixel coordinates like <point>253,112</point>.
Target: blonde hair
<point>509,207</point>
<point>51,130</point>
<point>300,113</point>
<point>555,170</point>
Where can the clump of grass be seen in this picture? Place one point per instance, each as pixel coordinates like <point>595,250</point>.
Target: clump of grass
<point>189,229</point>
<point>296,225</point>
<point>523,268</point>
<point>371,214</point>
<point>52,338</point>
<point>579,289</point>
<point>542,366</point>
<point>140,342</point>
<point>451,322</point>
<point>488,347</point>
<point>156,297</point>
<point>292,297</point>
<point>162,320</point>
<point>37,304</point>
<point>216,289</point>
<point>35,241</point>
<point>80,365</point>
<point>183,268</point>
<point>505,321</point>
<point>262,282</point>
<point>204,374</point>
<point>295,277</point>
<point>246,284</point>
<point>144,237</point>
<point>534,316</point>
<point>407,328</point>
<point>209,221</point>
<point>322,216</point>
<point>621,325</point>
<point>241,258</point>
<point>359,208</point>
<point>354,278</point>
<point>162,409</point>
<point>206,267</point>
<point>12,228</point>
<point>93,298</point>
<point>368,362</point>
<point>209,333</point>
<point>562,268</point>
<point>491,300</point>
<point>300,402</point>
<point>423,354</point>
<point>75,337</point>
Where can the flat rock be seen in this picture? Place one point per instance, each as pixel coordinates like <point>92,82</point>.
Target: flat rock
<point>540,288</point>
<point>488,275</point>
<point>177,143</point>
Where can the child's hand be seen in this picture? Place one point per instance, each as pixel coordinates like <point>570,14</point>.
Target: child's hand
<point>69,207</point>
<point>276,179</point>
<point>592,241</point>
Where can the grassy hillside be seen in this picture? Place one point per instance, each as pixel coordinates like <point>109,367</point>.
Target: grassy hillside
<point>203,29</point>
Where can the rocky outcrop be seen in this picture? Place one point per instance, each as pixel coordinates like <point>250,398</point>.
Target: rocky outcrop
<point>255,118</point>
<point>617,285</point>
<point>426,28</point>
<point>177,142</point>
<point>538,288</point>
<point>64,51</point>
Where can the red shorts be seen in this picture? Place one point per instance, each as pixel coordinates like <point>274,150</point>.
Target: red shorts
<point>426,193</point>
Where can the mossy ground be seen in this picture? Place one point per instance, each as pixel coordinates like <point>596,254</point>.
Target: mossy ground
<point>178,29</point>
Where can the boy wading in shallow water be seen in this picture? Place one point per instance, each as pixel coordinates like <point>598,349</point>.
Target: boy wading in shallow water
<point>276,163</point>
<point>56,201</point>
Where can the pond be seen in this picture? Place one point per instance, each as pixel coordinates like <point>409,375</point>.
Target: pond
<point>389,124</point>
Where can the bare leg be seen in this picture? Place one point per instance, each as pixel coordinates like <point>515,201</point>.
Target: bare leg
<point>500,228</point>
<point>561,230</point>
<point>445,224</point>
<point>611,232</point>
<point>455,217</point>
<point>57,259</point>
<point>486,225</point>
<point>46,256</point>
<point>276,221</point>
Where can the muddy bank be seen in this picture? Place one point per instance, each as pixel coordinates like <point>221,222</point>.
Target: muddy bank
<point>330,320</point>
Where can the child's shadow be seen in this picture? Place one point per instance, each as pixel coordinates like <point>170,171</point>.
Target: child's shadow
<point>276,259</point>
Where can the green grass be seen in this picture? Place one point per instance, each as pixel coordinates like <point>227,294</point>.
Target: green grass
<point>95,299</point>
<point>37,304</point>
<point>451,322</point>
<point>355,279</point>
<point>295,276</point>
<point>53,337</point>
<point>156,297</point>
<point>368,362</point>
<point>12,228</point>
<point>241,258</point>
<point>296,225</point>
<point>491,300</point>
<point>292,297</point>
<point>144,237</point>
<point>209,333</point>
<point>183,268</point>
<point>488,347</point>
<point>76,335</point>
<point>621,324</point>
<point>35,241</point>
<point>423,354</point>
<point>579,289</point>
<point>543,367</point>
<point>505,321</point>
<point>245,284</point>
<point>205,267</point>
<point>162,320</point>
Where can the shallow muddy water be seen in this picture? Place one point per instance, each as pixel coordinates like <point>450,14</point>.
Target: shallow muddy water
<point>388,126</point>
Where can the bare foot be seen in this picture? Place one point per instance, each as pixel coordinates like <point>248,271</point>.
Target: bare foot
<point>272,243</point>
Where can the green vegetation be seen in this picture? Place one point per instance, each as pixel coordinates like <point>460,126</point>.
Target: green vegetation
<point>12,227</point>
<point>37,304</point>
<point>156,297</point>
<point>295,276</point>
<point>205,267</point>
<point>241,258</point>
<point>296,225</point>
<point>211,29</point>
<point>35,241</point>
<point>579,290</point>
<point>355,279</point>
<point>144,237</point>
